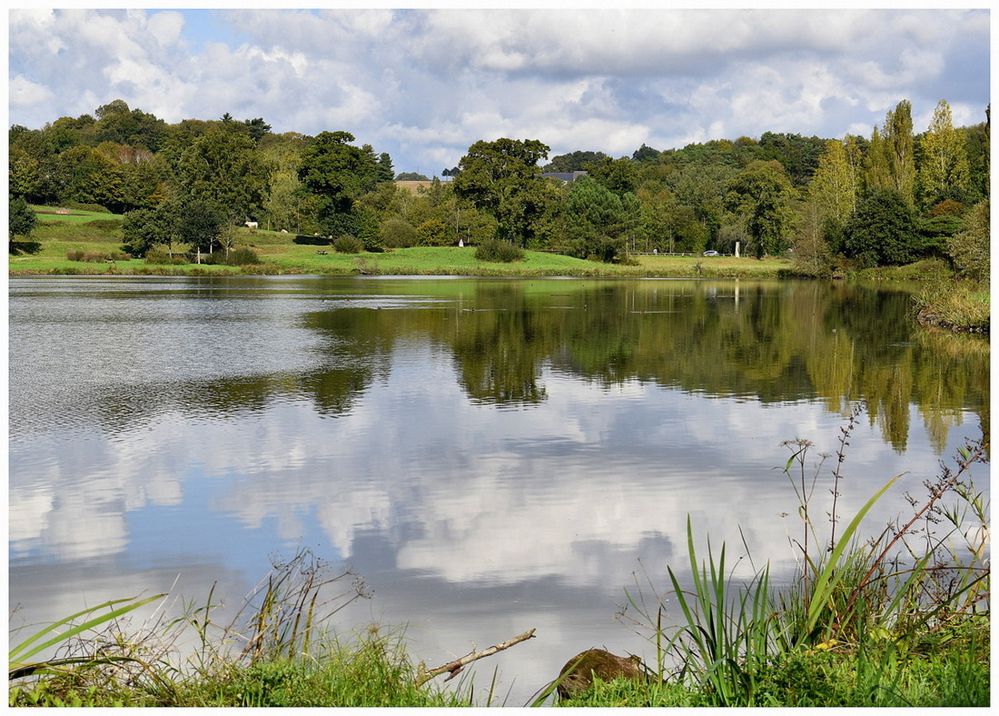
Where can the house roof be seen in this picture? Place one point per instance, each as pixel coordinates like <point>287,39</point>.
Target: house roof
<point>566,177</point>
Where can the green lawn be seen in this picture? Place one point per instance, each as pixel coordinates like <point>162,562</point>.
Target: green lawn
<point>75,216</point>
<point>100,233</point>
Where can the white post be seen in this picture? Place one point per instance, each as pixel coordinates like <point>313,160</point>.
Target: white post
<point>737,249</point>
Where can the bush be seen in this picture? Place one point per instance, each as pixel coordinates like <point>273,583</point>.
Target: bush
<point>348,245</point>
<point>498,250</point>
<point>948,207</point>
<point>243,257</point>
<point>160,256</point>
<point>94,257</point>
<point>398,233</point>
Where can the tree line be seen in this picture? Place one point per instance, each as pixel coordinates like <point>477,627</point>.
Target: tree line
<point>891,198</point>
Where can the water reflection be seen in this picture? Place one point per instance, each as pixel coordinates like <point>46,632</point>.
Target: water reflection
<point>486,453</point>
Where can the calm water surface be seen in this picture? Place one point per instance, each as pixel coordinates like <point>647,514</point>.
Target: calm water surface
<point>489,456</point>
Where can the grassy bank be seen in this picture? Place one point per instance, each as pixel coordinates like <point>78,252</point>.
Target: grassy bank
<point>941,299</point>
<point>99,235</point>
<point>879,676</point>
<point>277,651</point>
<point>961,306</point>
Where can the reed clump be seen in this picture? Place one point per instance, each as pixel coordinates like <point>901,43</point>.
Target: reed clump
<point>897,619</point>
<point>279,650</point>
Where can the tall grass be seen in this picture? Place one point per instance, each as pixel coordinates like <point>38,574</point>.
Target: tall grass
<point>963,306</point>
<point>278,650</point>
<point>919,589</point>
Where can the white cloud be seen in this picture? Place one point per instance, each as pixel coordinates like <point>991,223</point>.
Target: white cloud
<point>166,27</point>
<point>424,85</point>
<point>25,93</point>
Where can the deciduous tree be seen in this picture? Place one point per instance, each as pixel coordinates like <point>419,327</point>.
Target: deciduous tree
<point>503,178</point>
<point>970,248</point>
<point>882,231</point>
<point>144,228</point>
<point>338,173</point>
<point>221,168</point>
<point>762,194</point>
<point>832,188</point>
<point>899,150</point>
<point>20,219</point>
<point>944,171</point>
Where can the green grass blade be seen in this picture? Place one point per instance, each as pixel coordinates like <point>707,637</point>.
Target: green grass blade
<point>917,573</point>
<point>78,629</point>
<point>45,630</point>
<point>828,577</point>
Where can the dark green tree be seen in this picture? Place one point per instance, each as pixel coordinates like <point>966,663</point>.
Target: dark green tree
<point>597,221</point>
<point>87,175</point>
<point>257,128</point>
<point>503,178</point>
<point>385,170</point>
<point>618,175</point>
<point>645,153</point>
<point>798,155</point>
<point>199,223</point>
<point>142,229</point>
<point>882,231</point>
<point>367,226</point>
<point>221,169</point>
<point>338,173</point>
<point>117,123</point>
<point>20,222</point>
<point>572,162</point>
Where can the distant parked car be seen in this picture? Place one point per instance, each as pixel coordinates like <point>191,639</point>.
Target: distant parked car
<point>710,253</point>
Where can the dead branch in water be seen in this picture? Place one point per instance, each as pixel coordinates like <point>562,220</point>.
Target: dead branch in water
<point>455,667</point>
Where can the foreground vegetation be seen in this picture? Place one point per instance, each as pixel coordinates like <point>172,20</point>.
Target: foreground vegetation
<point>275,652</point>
<point>900,619</point>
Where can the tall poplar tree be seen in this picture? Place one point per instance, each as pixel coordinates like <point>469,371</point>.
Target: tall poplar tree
<point>899,150</point>
<point>877,169</point>
<point>944,172</point>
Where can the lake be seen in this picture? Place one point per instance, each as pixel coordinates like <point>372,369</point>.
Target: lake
<point>488,455</point>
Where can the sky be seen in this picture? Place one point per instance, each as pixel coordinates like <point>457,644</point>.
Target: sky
<point>423,85</point>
